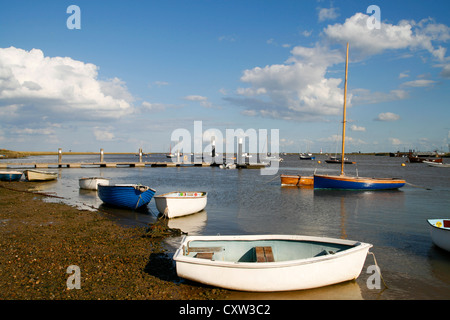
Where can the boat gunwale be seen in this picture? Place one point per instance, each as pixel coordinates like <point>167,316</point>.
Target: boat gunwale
<point>202,195</point>
<point>132,185</point>
<point>360,179</point>
<point>357,246</point>
<point>436,227</point>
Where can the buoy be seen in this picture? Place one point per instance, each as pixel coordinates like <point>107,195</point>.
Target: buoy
<point>318,161</point>
<point>403,164</point>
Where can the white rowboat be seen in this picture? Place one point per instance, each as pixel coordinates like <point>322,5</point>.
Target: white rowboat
<point>92,182</point>
<point>180,203</point>
<point>440,232</point>
<point>38,175</point>
<point>268,263</point>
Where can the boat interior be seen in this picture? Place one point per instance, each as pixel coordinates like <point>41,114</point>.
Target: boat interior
<point>260,250</point>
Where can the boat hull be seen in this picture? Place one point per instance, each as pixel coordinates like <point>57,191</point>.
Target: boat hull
<point>440,232</point>
<point>92,182</point>
<point>37,175</point>
<point>283,274</point>
<point>10,175</point>
<point>180,203</point>
<point>356,183</point>
<point>129,196</point>
<point>296,181</point>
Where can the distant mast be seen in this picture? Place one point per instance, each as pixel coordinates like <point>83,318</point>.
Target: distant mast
<point>344,115</point>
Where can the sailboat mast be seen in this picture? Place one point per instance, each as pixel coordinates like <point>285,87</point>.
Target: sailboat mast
<point>344,114</point>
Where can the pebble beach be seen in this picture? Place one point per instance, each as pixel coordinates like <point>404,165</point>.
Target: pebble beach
<point>40,240</point>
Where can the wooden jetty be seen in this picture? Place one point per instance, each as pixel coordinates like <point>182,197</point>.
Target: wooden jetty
<point>102,163</point>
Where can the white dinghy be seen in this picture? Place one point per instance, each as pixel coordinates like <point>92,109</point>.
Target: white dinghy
<point>180,203</point>
<point>267,263</point>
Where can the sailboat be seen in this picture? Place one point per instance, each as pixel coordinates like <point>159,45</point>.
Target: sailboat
<point>343,181</point>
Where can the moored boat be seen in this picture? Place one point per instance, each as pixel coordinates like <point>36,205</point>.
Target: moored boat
<point>39,175</point>
<point>437,164</point>
<point>10,175</point>
<point>91,183</point>
<point>292,180</point>
<point>306,156</point>
<point>343,181</point>
<point>180,203</point>
<point>356,183</point>
<point>440,232</point>
<point>130,196</point>
<point>268,263</point>
<point>339,161</point>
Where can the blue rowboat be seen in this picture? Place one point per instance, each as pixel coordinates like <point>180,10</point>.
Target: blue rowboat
<point>10,175</point>
<point>130,196</point>
<point>356,183</point>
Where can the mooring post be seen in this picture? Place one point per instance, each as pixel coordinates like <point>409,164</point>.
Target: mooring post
<point>239,155</point>
<point>59,155</point>
<point>213,151</point>
<point>101,155</point>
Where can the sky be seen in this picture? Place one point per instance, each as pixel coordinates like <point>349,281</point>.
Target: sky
<point>124,75</point>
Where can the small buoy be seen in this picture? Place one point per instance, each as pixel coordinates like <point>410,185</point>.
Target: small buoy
<point>403,164</point>
<point>318,161</point>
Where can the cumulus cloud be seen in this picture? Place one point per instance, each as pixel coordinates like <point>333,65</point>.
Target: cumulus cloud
<point>298,89</point>
<point>58,87</point>
<point>327,14</point>
<point>387,116</point>
<point>404,35</point>
<point>357,128</point>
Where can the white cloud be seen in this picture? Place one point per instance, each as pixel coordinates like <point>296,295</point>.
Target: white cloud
<point>327,14</point>
<point>356,128</point>
<point>195,98</point>
<point>58,87</point>
<point>395,141</point>
<point>102,134</point>
<point>297,89</point>
<point>419,83</point>
<point>388,116</point>
<point>404,35</point>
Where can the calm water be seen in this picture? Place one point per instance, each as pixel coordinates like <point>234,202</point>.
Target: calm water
<point>245,202</point>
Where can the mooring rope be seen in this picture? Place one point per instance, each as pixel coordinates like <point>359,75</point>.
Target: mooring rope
<point>378,268</point>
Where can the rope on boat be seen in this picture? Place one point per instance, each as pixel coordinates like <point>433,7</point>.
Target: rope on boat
<point>413,185</point>
<point>379,270</point>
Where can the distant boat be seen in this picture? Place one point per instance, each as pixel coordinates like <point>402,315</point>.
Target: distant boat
<point>415,159</point>
<point>306,156</point>
<point>38,175</point>
<point>347,182</point>
<point>437,164</point>
<point>130,196</point>
<point>10,175</point>
<point>440,232</point>
<point>339,160</point>
<point>291,180</point>
<point>91,183</point>
<point>266,263</point>
<point>180,203</point>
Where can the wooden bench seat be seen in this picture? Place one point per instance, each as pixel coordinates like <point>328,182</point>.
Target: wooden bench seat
<point>264,254</point>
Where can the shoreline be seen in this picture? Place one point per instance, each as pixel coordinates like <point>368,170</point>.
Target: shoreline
<point>40,240</point>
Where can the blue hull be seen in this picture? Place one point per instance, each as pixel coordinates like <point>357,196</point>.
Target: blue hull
<point>356,183</point>
<point>126,196</point>
<point>10,176</point>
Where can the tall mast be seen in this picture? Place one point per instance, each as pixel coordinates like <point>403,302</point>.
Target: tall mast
<point>344,115</point>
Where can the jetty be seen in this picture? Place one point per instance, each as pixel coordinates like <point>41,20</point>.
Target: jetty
<point>176,162</point>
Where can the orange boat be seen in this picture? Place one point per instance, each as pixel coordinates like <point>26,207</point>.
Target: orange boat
<point>288,180</point>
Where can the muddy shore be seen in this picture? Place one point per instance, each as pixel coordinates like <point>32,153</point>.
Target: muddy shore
<point>40,240</point>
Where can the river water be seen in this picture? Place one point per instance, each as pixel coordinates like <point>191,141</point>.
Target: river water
<point>245,202</point>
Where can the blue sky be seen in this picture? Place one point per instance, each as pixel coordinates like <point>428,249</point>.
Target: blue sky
<point>138,70</point>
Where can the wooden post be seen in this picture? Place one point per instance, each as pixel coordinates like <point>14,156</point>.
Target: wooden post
<point>101,155</point>
<point>59,155</point>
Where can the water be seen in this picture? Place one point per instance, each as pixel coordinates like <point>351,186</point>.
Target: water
<point>245,202</point>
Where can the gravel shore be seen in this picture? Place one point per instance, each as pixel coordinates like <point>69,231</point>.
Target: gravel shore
<point>40,240</point>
